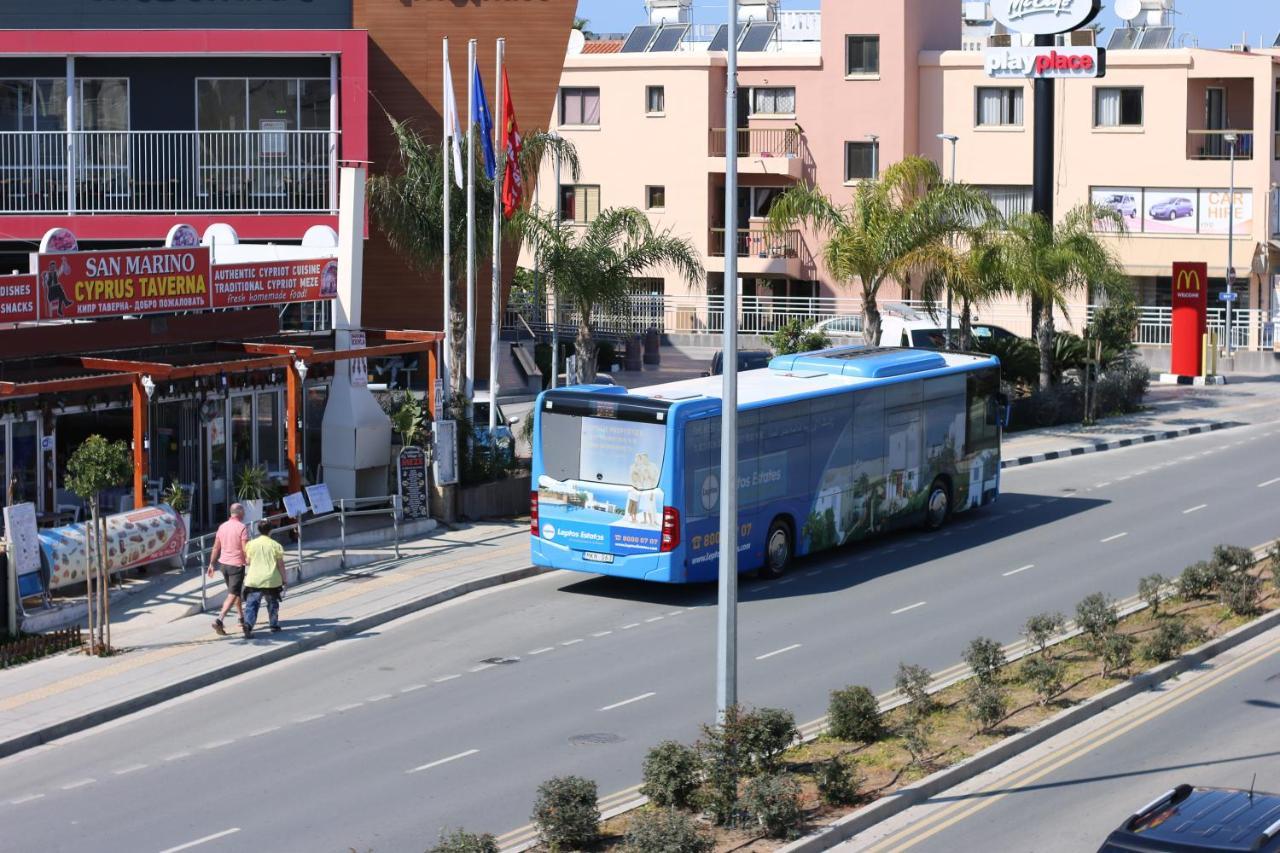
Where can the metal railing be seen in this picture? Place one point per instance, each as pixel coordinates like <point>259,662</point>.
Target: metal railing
<point>1249,326</point>
<point>759,142</point>
<point>167,171</point>
<point>201,547</point>
<point>759,242</point>
<point>1212,145</point>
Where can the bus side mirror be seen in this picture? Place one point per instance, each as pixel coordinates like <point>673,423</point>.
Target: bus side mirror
<point>1002,410</point>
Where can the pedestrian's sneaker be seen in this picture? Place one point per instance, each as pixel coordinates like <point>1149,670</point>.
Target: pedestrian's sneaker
<point>217,626</point>
<point>248,632</point>
<point>275,629</point>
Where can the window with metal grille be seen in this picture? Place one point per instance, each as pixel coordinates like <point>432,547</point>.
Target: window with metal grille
<point>579,203</point>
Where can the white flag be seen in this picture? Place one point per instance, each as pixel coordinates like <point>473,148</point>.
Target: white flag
<point>451,124</point>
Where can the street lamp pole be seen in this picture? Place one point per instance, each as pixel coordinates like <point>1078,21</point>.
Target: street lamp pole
<point>874,138</point>
<point>953,139</point>
<point>555,293</point>
<point>727,603</point>
<point>1231,236</point>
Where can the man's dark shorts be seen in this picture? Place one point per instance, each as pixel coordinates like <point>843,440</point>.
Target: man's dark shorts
<point>234,576</point>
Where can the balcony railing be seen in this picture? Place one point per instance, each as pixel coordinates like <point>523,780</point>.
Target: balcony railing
<point>758,243</point>
<point>759,142</point>
<point>168,171</point>
<point>1212,144</point>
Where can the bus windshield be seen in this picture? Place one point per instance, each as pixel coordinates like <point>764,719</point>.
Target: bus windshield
<point>599,485</point>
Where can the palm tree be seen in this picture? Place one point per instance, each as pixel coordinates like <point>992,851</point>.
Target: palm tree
<point>893,227</point>
<point>1048,264</point>
<point>407,203</point>
<point>594,269</point>
<point>971,266</point>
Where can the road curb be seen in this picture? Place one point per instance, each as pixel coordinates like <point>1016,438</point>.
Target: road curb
<point>883,809</point>
<point>269,656</point>
<point>1147,438</point>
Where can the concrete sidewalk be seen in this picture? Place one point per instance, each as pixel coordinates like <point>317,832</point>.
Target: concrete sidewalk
<point>159,659</point>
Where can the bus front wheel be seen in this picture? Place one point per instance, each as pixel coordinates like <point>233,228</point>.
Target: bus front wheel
<point>938,508</point>
<point>777,552</point>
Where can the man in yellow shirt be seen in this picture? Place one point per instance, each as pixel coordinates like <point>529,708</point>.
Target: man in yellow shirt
<point>263,578</point>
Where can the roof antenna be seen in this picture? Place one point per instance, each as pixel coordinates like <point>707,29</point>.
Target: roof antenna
<point>1251,784</point>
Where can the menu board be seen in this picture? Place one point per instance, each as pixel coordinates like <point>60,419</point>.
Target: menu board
<point>321,502</point>
<point>113,283</point>
<point>17,298</point>
<point>295,504</point>
<point>24,543</point>
<point>411,469</point>
<point>274,283</point>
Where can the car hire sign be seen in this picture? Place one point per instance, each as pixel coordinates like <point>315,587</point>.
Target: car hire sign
<point>1045,17</point>
<point>1043,63</point>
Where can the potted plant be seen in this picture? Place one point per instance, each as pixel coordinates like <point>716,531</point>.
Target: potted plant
<point>252,487</point>
<point>178,499</point>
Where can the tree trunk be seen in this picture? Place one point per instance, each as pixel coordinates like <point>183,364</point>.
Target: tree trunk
<point>871,318</point>
<point>106,585</point>
<point>966,325</point>
<point>90,571</point>
<point>458,322</point>
<point>1044,336</point>
<point>585,347</point>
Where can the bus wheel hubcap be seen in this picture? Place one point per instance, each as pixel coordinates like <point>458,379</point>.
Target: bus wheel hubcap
<point>937,505</point>
<point>778,549</point>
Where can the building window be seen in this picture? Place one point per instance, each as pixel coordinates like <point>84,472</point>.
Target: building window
<point>655,198</point>
<point>579,203</point>
<point>580,107</point>
<point>999,106</point>
<point>266,104</point>
<point>1117,107</point>
<point>41,104</point>
<point>861,55</point>
<point>655,100</point>
<point>1009,200</point>
<point>775,101</point>
<point>861,161</point>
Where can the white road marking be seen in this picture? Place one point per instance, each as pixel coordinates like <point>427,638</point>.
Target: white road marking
<point>442,679</point>
<point>1125,477</point>
<point>176,756</point>
<point>785,581</point>
<point>908,607</point>
<point>28,798</point>
<point>1196,508</point>
<point>628,701</point>
<point>132,768</point>
<point>674,612</point>
<point>79,784</point>
<point>813,574</point>
<point>309,718</point>
<point>1017,571</point>
<point>412,687</point>
<point>601,634</point>
<point>481,668</point>
<point>654,619</point>
<point>789,648</point>
<point>632,625</point>
<point>1114,537</point>
<point>341,708</point>
<point>572,642</point>
<point>199,841</point>
<point>542,650</point>
<point>268,730</point>
<point>1269,483</point>
<point>382,696</point>
<point>437,763</point>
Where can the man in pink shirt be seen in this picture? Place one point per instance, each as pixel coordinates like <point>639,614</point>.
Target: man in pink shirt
<point>228,555</point>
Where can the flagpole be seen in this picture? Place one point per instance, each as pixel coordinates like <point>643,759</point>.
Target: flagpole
<point>471,224</point>
<point>445,151</point>
<point>494,319</point>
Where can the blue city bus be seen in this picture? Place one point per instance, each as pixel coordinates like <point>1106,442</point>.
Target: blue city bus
<point>833,446</point>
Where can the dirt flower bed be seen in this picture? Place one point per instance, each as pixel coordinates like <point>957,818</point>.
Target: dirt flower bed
<point>748,786</point>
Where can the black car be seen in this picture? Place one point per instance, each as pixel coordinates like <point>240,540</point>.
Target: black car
<point>1192,819</point>
<point>748,359</point>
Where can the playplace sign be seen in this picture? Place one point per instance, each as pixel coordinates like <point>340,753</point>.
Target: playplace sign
<point>1045,63</point>
<point>1045,17</point>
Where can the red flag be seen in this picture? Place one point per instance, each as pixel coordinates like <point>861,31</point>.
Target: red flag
<point>513,180</point>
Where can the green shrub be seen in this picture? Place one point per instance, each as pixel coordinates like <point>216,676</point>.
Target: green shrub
<point>855,715</point>
<point>1233,557</point>
<point>1096,616</point>
<point>1042,628</point>
<point>462,841</point>
<point>1045,676</point>
<point>670,775</point>
<point>1273,555</point>
<point>916,732</point>
<point>566,814</point>
<point>1114,326</point>
<point>987,704</point>
<point>725,760</point>
<point>1122,387</point>
<point>1150,590</point>
<point>838,781</point>
<point>773,801</point>
<point>1116,652</point>
<point>912,682</point>
<point>1019,359</point>
<point>794,337</point>
<point>769,733</point>
<point>1240,592</point>
<point>1068,354</point>
<point>1196,581</point>
<point>985,657</point>
<point>1166,642</point>
<point>666,831</point>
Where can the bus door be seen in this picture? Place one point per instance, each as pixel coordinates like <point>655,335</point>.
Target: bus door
<point>903,435</point>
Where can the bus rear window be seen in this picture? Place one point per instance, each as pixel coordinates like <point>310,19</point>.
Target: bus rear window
<point>602,450</point>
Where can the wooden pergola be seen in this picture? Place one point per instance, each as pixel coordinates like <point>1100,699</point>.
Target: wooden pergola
<point>136,375</point>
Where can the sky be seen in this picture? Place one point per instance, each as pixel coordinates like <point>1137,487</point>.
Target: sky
<point>1216,23</point>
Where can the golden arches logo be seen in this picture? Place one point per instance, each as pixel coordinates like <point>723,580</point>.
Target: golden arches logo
<point>1188,279</point>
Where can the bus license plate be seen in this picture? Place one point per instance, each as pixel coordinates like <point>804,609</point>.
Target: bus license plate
<point>594,557</point>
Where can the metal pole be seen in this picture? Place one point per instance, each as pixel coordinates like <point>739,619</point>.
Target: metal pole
<point>1231,238</point>
<point>342,530</point>
<point>333,135</point>
<point>954,141</point>
<point>1042,167</point>
<point>299,549</point>
<point>71,129</point>
<point>471,225</point>
<point>446,151</point>
<point>395,521</point>
<point>727,605</point>
<point>496,298</point>
<point>555,294</point>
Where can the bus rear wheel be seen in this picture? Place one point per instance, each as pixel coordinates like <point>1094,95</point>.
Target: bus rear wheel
<point>777,549</point>
<point>938,507</point>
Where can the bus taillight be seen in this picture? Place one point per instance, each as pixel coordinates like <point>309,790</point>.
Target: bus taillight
<point>533,514</point>
<point>670,529</point>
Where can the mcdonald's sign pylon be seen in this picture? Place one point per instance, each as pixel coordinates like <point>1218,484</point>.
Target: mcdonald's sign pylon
<point>1190,307</point>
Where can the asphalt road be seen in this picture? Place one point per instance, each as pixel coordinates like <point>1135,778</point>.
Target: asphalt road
<point>377,742</point>
<point>1214,727</point>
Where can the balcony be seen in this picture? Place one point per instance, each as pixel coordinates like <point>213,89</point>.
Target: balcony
<point>762,151</point>
<point>168,171</point>
<point>1212,145</point>
<point>761,252</point>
